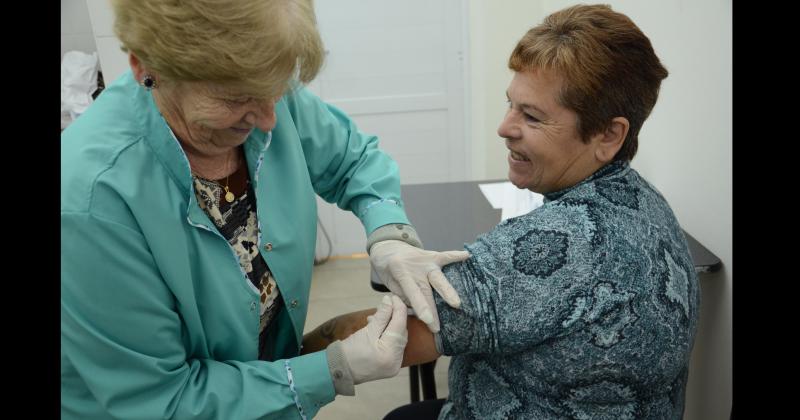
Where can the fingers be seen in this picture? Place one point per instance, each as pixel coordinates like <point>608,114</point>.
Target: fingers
<point>434,324</point>
<point>440,283</point>
<point>449,257</point>
<point>412,292</point>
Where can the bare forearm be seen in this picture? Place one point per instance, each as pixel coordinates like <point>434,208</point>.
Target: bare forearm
<point>337,328</point>
<point>420,349</point>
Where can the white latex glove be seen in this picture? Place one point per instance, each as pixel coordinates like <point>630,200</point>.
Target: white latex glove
<point>409,272</point>
<point>376,351</point>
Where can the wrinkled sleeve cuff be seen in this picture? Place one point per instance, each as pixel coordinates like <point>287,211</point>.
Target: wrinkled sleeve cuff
<point>340,370</point>
<point>394,231</point>
<point>310,386</point>
<point>380,212</point>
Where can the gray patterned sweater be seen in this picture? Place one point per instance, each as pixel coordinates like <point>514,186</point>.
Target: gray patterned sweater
<point>585,308</point>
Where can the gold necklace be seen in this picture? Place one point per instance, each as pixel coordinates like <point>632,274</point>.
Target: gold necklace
<point>229,197</point>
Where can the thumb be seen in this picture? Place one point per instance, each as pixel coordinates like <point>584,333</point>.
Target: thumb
<point>396,331</point>
<point>381,317</point>
<point>449,257</point>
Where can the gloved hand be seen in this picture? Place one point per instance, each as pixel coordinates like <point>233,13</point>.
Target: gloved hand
<point>376,351</point>
<point>409,272</point>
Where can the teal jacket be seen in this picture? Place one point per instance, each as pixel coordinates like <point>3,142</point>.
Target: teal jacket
<point>157,318</point>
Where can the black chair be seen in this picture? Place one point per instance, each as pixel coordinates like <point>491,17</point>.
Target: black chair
<point>417,374</point>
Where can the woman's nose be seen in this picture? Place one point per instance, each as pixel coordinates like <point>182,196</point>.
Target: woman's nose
<point>508,128</point>
<point>263,115</point>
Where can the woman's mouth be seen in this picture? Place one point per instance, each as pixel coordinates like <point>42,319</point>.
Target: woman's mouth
<point>240,130</point>
<point>518,157</point>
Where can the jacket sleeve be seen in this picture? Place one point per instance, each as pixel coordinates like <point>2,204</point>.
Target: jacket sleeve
<point>122,333</point>
<point>345,165</point>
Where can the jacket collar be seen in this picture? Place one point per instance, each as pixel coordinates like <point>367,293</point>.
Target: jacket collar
<point>159,137</point>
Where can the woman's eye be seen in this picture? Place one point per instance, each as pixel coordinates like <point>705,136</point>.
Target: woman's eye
<point>238,101</point>
<point>531,118</point>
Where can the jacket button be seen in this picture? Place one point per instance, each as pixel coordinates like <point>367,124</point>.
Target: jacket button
<point>294,303</point>
<point>399,227</point>
<point>268,246</point>
<point>252,306</point>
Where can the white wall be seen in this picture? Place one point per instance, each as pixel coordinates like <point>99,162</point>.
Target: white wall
<point>76,31</point>
<point>684,148</point>
<point>495,28</point>
<point>113,61</point>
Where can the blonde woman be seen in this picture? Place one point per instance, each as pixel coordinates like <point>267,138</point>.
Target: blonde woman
<point>188,223</point>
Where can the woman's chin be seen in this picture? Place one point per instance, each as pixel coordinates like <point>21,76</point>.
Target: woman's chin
<point>516,180</point>
<point>228,138</point>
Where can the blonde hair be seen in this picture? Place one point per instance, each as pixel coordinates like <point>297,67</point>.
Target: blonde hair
<point>607,65</point>
<point>259,46</point>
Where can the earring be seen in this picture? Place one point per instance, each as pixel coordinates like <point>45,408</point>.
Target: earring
<point>148,82</point>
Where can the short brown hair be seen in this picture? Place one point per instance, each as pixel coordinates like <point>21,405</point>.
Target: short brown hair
<point>259,45</point>
<point>608,67</point>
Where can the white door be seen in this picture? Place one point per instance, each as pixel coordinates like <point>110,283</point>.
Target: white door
<point>397,68</point>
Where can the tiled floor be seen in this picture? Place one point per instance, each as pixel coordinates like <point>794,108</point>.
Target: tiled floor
<point>340,286</point>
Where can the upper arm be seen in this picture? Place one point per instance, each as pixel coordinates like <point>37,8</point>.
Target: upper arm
<point>527,281</point>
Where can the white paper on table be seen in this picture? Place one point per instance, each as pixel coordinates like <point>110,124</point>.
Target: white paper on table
<point>512,200</point>
<point>494,193</point>
<point>517,202</point>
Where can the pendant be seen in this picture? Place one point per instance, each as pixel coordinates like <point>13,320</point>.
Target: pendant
<point>229,197</point>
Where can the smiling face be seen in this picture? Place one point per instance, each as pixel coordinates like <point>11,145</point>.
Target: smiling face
<point>209,118</point>
<point>546,154</point>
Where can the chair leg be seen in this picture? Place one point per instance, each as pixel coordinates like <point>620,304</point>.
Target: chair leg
<point>428,380</point>
<point>413,376</point>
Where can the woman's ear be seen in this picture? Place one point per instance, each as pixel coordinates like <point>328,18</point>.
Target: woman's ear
<point>141,74</point>
<point>611,140</point>
<point>136,66</point>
